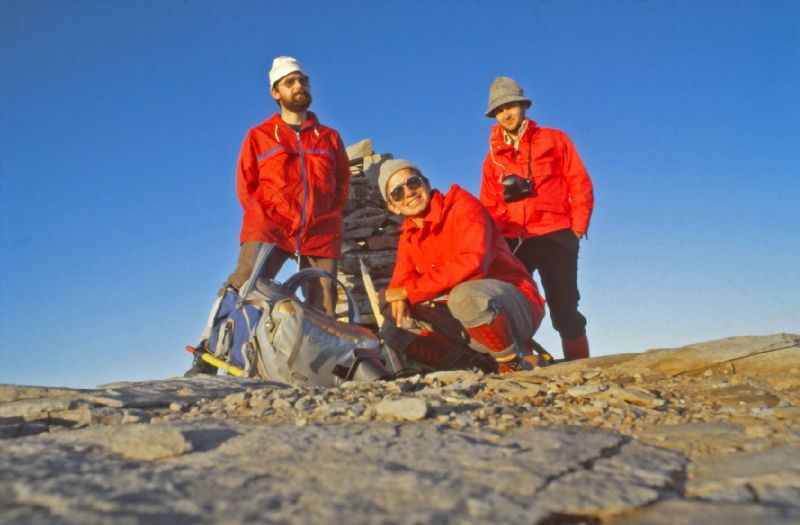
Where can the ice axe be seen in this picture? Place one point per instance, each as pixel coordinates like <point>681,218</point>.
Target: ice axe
<point>213,361</point>
<point>372,295</point>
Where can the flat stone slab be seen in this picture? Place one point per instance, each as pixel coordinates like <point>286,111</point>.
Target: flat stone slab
<point>233,472</point>
<point>748,477</point>
<point>616,439</point>
<point>359,150</point>
<point>711,513</point>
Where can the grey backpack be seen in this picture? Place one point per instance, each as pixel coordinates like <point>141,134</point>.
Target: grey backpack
<point>265,330</point>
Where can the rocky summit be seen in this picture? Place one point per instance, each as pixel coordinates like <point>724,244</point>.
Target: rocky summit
<point>707,433</point>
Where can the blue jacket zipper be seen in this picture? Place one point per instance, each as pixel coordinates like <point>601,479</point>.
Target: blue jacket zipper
<point>305,197</point>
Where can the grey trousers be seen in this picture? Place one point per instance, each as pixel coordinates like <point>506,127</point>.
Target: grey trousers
<point>320,293</point>
<point>475,303</point>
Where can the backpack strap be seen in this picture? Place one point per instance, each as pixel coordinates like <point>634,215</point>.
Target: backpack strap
<point>293,283</point>
<point>265,249</point>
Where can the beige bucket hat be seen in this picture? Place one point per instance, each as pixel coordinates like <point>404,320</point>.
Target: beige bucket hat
<point>504,90</point>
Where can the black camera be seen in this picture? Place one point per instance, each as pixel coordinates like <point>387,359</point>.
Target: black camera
<point>516,188</point>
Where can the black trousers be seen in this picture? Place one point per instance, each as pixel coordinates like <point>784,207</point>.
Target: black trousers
<point>555,257</point>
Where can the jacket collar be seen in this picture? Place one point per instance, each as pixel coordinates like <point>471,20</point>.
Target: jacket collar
<point>499,140</point>
<point>311,121</point>
<point>278,123</point>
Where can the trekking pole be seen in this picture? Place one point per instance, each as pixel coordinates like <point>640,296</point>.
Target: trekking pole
<point>213,361</point>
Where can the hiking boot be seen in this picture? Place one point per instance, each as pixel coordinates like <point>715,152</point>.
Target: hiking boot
<point>465,358</point>
<point>199,366</point>
<point>537,361</point>
<point>515,364</point>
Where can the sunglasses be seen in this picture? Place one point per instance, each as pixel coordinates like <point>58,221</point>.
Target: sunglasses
<point>290,81</point>
<point>414,182</point>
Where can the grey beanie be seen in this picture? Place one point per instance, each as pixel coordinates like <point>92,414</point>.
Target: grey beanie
<point>504,90</point>
<point>389,168</point>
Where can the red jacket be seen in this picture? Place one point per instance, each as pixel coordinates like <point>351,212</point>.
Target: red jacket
<point>563,197</point>
<point>293,186</point>
<point>458,242</point>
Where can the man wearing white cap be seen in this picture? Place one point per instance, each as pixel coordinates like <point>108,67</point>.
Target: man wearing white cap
<point>451,247</point>
<point>292,181</point>
<point>539,193</point>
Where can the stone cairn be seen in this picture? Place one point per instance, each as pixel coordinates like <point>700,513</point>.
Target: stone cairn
<point>369,231</point>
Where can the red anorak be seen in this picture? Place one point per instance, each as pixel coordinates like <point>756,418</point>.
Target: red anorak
<point>563,190</point>
<point>457,242</point>
<point>293,186</point>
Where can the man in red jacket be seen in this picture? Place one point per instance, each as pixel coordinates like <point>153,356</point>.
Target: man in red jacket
<point>537,190</point>
<point>450,247</point>
<point>292,181</point>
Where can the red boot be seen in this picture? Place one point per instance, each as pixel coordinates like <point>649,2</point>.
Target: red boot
<point>498,337</point>
<point>577,348</point>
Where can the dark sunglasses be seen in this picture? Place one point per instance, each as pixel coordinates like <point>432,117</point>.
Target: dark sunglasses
<point>414,182</point>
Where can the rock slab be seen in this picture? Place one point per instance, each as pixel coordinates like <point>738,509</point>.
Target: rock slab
<point>643,438</point>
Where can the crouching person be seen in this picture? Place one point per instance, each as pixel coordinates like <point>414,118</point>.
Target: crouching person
<point>458,297</point>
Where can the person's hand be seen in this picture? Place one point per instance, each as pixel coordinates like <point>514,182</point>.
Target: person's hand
<point>400,310</point>
<point>398,299</point>
<point>579,235</point>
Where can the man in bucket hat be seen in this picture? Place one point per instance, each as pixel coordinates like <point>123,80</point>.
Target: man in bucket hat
<point>457,291</point>
<point>292,181</point>
<point>539,193</point>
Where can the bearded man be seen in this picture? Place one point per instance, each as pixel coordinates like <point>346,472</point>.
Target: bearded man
<point>292,181</point>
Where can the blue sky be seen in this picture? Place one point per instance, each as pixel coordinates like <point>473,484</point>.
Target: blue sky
<point>121,121</point>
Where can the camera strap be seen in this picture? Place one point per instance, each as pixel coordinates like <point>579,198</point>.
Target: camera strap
<point>530,150</point>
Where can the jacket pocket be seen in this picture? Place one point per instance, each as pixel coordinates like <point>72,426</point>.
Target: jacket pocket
<point>546,167</point>
<point>550,205</point>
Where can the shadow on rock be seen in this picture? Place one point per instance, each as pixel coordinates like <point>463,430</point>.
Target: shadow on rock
<point>204,440</point>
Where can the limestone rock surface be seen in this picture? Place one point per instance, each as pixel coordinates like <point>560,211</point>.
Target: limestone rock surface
<point>708,433</point>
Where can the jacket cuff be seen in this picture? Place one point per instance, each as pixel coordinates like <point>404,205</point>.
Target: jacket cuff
<point>414,294</point>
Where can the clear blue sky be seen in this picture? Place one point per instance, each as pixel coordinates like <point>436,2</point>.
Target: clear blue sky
<point>120,124</point>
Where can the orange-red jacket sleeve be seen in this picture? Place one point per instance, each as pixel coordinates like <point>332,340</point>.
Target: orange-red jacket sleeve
<point>468,257</point>
<point>247,172</point>
<point>342,174</point>
<point>580,186</point>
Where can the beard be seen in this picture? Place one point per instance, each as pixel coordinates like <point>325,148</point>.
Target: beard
<point>513,127</point>
<point>298,102</point>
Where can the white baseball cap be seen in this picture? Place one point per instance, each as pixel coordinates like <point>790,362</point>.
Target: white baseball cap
<point>282,66</point>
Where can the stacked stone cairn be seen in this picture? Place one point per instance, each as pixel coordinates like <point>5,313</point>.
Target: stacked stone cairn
<point>369,231</point>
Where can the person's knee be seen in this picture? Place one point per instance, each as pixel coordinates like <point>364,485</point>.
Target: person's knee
<point>471,305</point>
